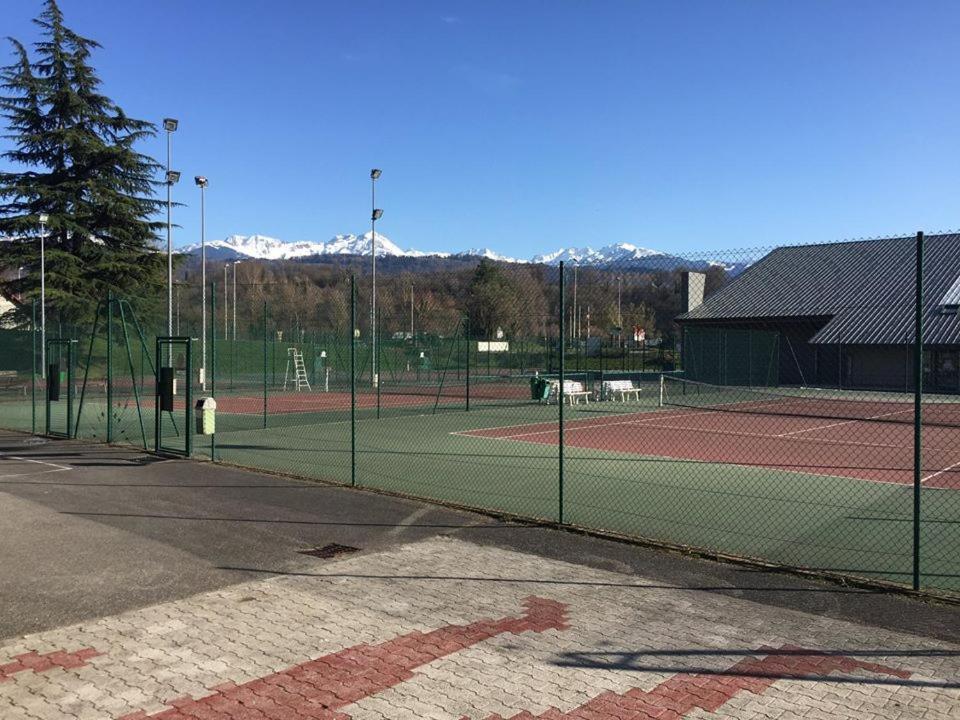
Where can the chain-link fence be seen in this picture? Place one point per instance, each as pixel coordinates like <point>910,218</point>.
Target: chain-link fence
<point>760,404</point>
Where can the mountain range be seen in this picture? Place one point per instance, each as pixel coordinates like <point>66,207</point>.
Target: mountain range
<point>262,247</point>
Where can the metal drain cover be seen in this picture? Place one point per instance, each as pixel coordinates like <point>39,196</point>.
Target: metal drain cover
<point>329,551</point>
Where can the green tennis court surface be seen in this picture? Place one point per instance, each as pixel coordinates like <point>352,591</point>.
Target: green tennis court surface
<point>846,521</point>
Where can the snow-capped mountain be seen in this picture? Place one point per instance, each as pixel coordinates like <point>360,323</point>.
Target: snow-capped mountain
<point>617,253</point>
<point>262,247</point>
<point>488,254</point>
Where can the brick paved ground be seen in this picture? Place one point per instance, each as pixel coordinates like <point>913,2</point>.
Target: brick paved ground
<point>443,628</point>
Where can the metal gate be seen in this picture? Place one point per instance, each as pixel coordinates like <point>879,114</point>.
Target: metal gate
<point>59,361</point>
<point>173,401</point>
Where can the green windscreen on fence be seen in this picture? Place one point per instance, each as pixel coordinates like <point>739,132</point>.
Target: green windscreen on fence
<point>732,356</point>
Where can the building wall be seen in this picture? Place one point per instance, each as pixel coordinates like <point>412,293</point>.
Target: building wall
<point>884,367</point>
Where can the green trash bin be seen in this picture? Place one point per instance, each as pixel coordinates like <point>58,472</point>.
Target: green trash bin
<point>539,389</point>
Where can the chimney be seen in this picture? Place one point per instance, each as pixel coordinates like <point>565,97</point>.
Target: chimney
<point>692,285</point>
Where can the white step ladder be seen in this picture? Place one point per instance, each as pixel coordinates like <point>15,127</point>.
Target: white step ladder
<point>296,372</point>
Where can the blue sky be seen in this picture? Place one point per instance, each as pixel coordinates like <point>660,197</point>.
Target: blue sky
<point>526,126</point>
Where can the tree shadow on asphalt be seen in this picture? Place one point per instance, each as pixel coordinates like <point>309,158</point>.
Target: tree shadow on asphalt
<point>659,661</point>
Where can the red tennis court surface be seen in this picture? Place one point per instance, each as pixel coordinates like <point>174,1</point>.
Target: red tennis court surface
<point>853,448</point>
<point>393,396</point>
<point>390,397</point>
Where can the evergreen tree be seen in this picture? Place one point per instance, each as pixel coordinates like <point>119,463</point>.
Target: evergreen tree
<point>493,300</point>
<point>80,167</point>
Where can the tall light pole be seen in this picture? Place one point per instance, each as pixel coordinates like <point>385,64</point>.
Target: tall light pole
<point>170,126</point>
<point>226,302</point>
<point>375,214</point>
<point>202,184</point>
<point>44,218</point>
<point>573,329</point>
<point>235,263</point>
<point>619,314</point>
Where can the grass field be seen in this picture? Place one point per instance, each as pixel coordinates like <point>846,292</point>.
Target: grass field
<point>629,468</point>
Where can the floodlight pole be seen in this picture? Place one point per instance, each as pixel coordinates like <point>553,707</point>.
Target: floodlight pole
<point>226,303</point>
<point>619,313</point>
<point>202,184</point>
<point>374,174</point>
<point>203,285</point>
<point>43,297</point>
<point>235,263</point>
<point>170,126</point>
<point>169,240</point>
<point>574,330</point>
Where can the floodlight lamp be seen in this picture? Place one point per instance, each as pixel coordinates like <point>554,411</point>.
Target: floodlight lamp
<point>377,214</point>
<point>173,177</point>
<point>201,181</point>
<point>170,125</point>
<point>375,173</point>
<point>44,218</point>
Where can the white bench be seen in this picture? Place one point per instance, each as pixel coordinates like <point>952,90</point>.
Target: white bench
<point>10,380</point>
<point>572,391</point>
<point>621,389</point>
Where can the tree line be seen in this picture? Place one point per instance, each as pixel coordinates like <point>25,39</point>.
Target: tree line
<point>484,299</point>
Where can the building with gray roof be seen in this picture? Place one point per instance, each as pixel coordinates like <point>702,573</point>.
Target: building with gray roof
<point>839,314</point>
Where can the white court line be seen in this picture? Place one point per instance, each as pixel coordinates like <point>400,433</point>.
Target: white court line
<point>844,422</point>
<point>637,418</point>
<point>940,472</point>
<point>554,429</point>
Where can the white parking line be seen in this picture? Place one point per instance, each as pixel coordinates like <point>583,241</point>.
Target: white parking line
<point>20,458</point>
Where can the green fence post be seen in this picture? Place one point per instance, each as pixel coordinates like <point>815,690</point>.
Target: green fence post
<point>468,336</point>
<point>213,361</point>
<point>109,367</point>
<point>71,429</point>
<point>917,410</point>
<point>560,403</point>
<point>264,364</point>
<point>353,381</point>
<point>33,375</point>
<point>378,353</point>
<point>188,444</point>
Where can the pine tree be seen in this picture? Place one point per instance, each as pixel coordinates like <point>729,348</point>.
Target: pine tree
<point>80,167</point>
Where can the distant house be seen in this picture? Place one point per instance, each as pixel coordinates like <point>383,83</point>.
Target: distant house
<point>836,315</point>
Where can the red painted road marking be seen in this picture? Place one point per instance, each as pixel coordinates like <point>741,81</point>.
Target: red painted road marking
<point>673,699</point>
<point>41,663</point>
<point>318,688</point>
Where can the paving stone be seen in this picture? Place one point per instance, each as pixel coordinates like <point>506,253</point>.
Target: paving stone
<point>455,639</point>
